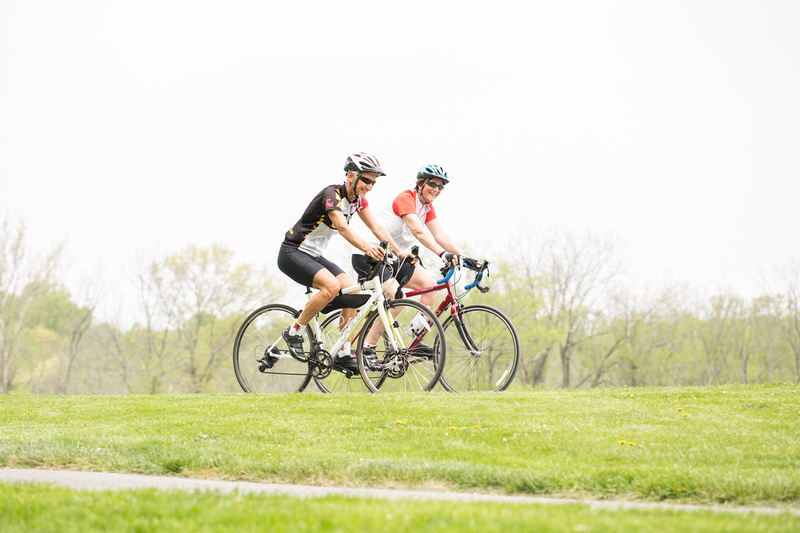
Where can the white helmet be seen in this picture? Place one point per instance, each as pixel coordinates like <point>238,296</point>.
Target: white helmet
<point>363,162</point>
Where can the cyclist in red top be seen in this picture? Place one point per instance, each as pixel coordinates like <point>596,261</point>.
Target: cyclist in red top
<point>411,218</point>
<point>329,213</point>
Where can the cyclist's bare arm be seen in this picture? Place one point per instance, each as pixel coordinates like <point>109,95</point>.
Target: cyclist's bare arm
<point>351,236</point>
<point>442,238</point>
<point>376,228</point>
<point>427,238</point>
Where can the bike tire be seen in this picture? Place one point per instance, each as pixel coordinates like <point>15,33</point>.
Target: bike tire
<point>483,350</point>
<point>259,331</point>
<point>416,367</point>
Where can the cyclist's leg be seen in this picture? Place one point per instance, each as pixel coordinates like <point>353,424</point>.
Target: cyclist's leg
<point>419,280</point>
<point>416,363</point>
<point>387,277</point>
<point>310,271</point>
<point>349,313</point>
<point>337,381</point>
<point>387,274</point>
<point>422,280</point>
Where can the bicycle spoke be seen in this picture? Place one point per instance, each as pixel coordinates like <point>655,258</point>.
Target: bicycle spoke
<point>258,370</point>
<point>410,355</point>
<point>483,354</point>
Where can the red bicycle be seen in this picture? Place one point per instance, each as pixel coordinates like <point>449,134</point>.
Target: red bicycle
<point>483,346</point>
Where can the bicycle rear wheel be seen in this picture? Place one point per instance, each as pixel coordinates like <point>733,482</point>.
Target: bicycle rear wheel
<point>274,372</point>
<point>415,361</point>
<point>337,381</point>
<point>482,350</point>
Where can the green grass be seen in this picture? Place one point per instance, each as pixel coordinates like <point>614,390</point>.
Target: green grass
<point>26,508</point>
<point>734,446</point>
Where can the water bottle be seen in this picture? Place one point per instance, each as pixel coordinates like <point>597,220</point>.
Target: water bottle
<point>417,326</point>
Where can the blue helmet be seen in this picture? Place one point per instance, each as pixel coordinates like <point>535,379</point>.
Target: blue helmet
<point>432,171</point>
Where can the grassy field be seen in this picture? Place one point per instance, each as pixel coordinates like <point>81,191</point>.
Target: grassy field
<point>730,446</point>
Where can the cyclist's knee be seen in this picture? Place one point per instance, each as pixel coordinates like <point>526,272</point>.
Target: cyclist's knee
<point>331,289</point>
<point>328,285</point>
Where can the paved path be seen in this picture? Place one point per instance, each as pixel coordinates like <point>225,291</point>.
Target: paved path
<point>110,481</point>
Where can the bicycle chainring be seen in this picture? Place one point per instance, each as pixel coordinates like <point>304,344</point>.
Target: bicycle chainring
<point>395,365</point>
<point>321,363</point>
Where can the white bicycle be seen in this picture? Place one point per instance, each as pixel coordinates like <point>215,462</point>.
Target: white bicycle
<point>409,353</point>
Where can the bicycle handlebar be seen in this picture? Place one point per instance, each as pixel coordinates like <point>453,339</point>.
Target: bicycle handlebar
<point>449,275</point>
<point>375,265</point>
<point>473,264</point>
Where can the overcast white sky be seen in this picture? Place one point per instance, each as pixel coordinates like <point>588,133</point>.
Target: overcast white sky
<point>151,125</point>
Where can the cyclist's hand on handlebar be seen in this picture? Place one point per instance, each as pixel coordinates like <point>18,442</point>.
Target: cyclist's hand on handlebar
<point>409,258</point>
<point>450,259</point>
<point>375,252</point>
<point>472,263</point>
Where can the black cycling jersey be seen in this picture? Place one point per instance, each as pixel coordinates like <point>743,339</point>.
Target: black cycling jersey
<point>315,228</point>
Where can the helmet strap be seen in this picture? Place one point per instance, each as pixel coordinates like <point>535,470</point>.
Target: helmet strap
<point>353,185</point>
<point>419,192</point>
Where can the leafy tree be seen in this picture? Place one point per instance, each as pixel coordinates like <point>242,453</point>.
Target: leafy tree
<point>194,301</point>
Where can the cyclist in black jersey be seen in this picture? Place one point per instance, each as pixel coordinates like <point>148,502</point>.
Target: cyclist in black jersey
<point>329,213</point>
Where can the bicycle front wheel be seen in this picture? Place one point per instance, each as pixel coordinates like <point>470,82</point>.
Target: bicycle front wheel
<point>482,350</point>
<point>259,369</point>
<point>409,356</point>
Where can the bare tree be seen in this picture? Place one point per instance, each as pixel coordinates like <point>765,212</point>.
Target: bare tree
<point>787,307</point>
<point>715,331</point>
<point>24,277</point>
<point>78,323</point>
<point>646,325</point>
<point>515,292</point>
<point>574,275</point>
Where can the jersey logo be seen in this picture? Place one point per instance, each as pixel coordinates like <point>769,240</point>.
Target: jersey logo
<point>329,204</point>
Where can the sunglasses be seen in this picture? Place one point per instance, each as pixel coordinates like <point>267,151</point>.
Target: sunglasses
<point>367,181</point>
<point>432,184</point>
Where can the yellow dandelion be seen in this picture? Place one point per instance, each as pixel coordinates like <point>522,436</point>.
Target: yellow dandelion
<point>400,422</point>
<point>680,408</point>
<point>452,428</point>
<point>632,443</point>
<point>622,442</point>
<point>684,414</point>
<point>632,395</point>
<point>477,427</point>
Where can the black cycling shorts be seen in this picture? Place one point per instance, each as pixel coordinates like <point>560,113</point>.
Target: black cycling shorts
<point>301,267</point>
<point>406,270</point>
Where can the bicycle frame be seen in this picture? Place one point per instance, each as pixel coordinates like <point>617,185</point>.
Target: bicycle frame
<point>450,299</point>
<point>376,301</point>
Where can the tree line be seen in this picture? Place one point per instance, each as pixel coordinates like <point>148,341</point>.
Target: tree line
<point>580,323</point>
